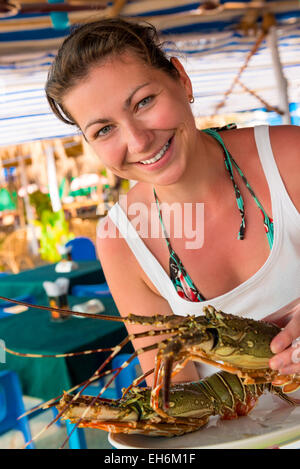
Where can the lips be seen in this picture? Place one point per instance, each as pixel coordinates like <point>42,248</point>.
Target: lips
<point>157,156</point>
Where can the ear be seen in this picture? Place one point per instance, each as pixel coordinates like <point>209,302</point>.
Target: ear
<point>183,76</point>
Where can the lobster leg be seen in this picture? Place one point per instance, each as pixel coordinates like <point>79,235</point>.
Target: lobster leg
<point>288,385</point>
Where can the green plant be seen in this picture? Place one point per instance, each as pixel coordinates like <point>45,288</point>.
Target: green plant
<point>40,202</point>
<point>54,231</point>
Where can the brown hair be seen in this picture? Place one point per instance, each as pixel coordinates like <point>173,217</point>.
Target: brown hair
<point>90,43</point>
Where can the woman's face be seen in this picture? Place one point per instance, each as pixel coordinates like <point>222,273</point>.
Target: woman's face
<point>136,118</point>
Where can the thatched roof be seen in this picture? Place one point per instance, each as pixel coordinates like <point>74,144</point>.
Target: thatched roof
<point>212,37</point>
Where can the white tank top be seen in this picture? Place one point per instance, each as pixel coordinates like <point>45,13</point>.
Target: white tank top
<point>276,285</point>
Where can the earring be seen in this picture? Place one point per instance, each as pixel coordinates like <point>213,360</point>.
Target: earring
<point>191,100</point>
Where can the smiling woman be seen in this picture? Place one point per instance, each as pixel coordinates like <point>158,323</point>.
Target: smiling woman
<point>112,79</point>
<point>132,127</point>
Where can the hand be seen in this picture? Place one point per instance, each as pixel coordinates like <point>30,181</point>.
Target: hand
<point>285,344</point>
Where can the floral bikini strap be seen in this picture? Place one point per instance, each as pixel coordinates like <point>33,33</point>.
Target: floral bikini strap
<point>229,160</point>
<point>166,235</point>
<point>228,164</point>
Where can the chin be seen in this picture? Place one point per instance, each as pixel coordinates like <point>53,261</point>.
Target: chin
<point>170,176</point>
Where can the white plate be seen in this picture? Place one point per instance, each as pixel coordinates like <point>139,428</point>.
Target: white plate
<point>94,306</point>
<point>17,309</point>
<point>273,422</point>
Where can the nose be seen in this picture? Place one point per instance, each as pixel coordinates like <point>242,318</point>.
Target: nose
<point>138,138</point>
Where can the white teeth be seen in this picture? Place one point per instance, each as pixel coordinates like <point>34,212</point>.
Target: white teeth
<point>159,155</point>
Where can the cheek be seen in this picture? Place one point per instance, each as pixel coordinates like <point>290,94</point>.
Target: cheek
<point>110,154</point>
<point>171,116</point>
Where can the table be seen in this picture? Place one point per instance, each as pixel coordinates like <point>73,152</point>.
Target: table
<point>30,282</point>
<point>32,331</point>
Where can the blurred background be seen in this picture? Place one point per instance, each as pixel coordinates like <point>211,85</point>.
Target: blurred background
<point>244,62</point>
<point>242,57</point>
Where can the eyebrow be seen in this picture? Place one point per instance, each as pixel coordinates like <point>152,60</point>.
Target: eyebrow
<point>126,105</point>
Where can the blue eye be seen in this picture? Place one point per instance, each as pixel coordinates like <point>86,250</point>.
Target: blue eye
<point>102,132</point>
<point>145,101</point>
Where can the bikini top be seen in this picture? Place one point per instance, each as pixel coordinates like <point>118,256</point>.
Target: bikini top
<point>178,274</point>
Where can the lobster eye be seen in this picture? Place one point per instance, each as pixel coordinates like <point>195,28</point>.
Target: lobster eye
<point>215,335</point>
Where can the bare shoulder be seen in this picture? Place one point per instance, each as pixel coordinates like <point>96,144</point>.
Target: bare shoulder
<point>239,141</point>
<point>285,142</point>
<point>113,250</point>
<point>108,238</point>
<point>141,192</point>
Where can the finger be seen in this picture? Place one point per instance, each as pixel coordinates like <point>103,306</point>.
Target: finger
<point>287,362</point>
<point>282,340</point>
<point>287,335</point>
<point>282,360</point>
<point>291,369</point>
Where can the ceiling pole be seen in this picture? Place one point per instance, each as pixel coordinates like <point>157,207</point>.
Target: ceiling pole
<point>281,81</point>
<point>28,209</point>
<point>52,180</point>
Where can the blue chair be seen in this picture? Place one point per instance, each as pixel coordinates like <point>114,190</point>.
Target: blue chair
<point>123,380</point>
<point>76,438</point>
<point>97,290</point>
<point>83,249</point>
<point>12,406</point>
<point>7,304</point>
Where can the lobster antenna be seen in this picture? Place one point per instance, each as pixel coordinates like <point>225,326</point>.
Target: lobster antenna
<point>89,352</point>
<point>51,402</point>
<point>64,311</point>
<point>124,365</point>
<point>96,376</point>
<point>46,405</point>
<point>58,355</point>
<point>137,381</point>
<point>158,320</point>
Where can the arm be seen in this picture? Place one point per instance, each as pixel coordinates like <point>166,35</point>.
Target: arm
<point>285,142</point>
<point>132,295</point>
